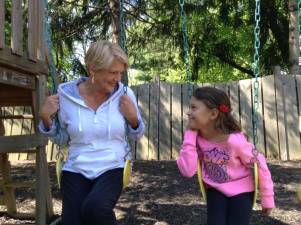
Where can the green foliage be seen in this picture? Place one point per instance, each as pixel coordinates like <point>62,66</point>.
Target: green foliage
<point>220,37</point>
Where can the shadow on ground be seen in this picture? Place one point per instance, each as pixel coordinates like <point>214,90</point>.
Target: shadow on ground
<point>159,195</point>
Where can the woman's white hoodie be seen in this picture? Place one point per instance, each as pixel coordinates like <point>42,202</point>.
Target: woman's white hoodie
<point>96,139</point>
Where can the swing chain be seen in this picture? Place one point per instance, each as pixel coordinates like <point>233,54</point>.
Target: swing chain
<point>256,71</point>
<point>185,45</point>
<point>47,36</point>
<point>122,43</point>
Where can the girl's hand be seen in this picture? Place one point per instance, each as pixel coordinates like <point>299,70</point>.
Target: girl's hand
<point>266,211</point>
<point>128,110</point>
<point>48,109</point>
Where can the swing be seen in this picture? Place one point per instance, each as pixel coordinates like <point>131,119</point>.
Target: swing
<point>60,156</point>
<point>255,92</point>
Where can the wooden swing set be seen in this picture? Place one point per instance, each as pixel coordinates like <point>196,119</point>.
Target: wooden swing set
<point>23,76</point>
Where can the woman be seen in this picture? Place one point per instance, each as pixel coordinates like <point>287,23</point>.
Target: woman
<point>93,113</point>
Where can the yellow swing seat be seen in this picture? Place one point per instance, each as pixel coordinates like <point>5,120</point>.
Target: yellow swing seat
<point>127,171</point>
<point>203,189</point>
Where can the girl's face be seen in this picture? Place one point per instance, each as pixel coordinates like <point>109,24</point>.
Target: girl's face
<point>107,79</point>
<point>200,116</point>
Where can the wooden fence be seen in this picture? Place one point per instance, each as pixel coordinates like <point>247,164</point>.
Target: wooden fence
<point>164,106</point>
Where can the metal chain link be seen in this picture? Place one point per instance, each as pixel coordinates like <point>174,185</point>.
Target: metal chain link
<point>122,43</point>
<point>185,45</point>
<point>122,38</point>
<point>256,71</point>
<point>47,36</point>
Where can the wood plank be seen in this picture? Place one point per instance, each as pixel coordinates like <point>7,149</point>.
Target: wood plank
<point>132,142</point>
<point>9,125</point>
<point>222,86</point>
<point>32,30</point>
<point>291,116</point>
<point>21,63</point>
<point>282,118</point>
<point>21,142</point>
<point>185,105</point>
<point>2,22</point>
<point>176,119</point>
<point>17,27</point>
<point>24,130</point>
<point>40,24</point>
<point>154,121</point>
<point>143,104</point>
<point>234,100</point>
<point>164,125</point>
<point>17,79</point>
<point>270,117</point>
<point>246,107</point>
<point>24,116</point>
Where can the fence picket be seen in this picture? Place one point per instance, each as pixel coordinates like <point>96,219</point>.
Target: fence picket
<point>176,120</point>
<point>143,104</point>
<point>164,122</point>
<point>270,117</point>
<point>246,107</point>
<point>163,108</point>
<point>154,122</point>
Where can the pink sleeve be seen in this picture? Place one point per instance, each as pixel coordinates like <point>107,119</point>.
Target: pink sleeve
<point>187,161</point>
<point>248,156</point>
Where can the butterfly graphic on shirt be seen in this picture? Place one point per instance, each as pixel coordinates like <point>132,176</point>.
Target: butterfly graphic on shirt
<point>215,164</point>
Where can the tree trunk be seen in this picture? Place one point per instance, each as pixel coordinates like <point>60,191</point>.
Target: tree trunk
<point>116,28</point>
<point>293,37</point>
<point>114,6</point>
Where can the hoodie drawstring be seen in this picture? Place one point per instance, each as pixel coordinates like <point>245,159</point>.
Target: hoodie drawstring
<point>79,121</point>
<point>109,119</point>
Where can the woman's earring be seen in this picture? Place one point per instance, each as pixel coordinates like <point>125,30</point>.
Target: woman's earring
<point>92,79</point>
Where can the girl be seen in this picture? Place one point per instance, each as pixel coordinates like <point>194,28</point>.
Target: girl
<point>226,157</point>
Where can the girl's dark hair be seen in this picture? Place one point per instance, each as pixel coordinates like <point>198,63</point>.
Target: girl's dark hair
<point>213,98</point>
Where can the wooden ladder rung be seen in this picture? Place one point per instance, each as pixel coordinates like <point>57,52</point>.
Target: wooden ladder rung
<point>25,116</point>
<point>19,184</point>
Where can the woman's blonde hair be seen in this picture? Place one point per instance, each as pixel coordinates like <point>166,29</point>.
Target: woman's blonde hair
<point>101,55</point>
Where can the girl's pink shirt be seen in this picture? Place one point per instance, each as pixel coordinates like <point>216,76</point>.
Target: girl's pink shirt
<point>227,165</point>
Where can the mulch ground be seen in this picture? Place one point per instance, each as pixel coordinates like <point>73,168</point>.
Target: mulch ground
<point>158,195</point>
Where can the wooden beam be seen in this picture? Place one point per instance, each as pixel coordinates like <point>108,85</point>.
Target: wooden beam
<point>25,116</point>
<point>21,63</point>
<point>14,78</point>
<point>17,143</point>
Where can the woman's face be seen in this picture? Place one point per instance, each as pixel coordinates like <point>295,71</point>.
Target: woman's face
<point>107,79</point>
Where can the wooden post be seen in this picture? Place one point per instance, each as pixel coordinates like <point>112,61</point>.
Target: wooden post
<point>8,190</point>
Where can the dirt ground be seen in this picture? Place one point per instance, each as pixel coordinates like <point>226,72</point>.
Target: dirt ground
<point>158,195</point>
